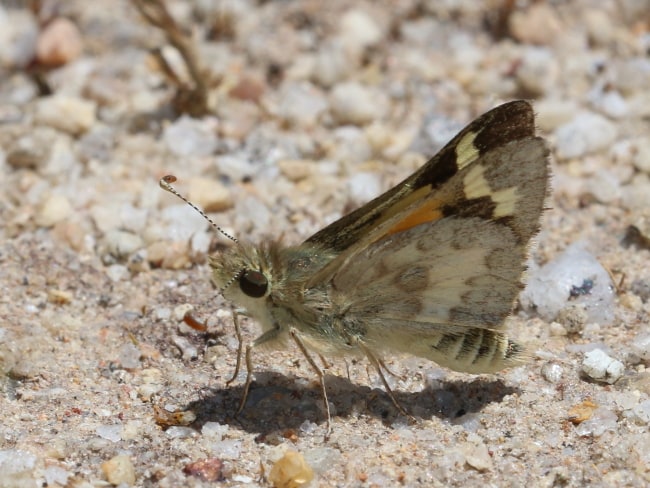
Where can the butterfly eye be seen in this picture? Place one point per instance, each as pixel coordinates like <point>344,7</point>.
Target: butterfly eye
<point>253,283</point>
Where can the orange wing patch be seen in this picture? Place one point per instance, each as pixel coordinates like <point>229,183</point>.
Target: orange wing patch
<point>428,211</point>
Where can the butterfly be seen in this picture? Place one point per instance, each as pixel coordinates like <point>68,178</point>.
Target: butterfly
<point>430,268</point>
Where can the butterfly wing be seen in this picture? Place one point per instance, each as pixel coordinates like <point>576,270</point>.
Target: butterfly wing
<point>438,277</point>
<point>429,194</point>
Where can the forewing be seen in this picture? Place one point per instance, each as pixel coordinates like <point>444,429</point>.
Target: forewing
<point>438,188</point>
<point>509,122</point>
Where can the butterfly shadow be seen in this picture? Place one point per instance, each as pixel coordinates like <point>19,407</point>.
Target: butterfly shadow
<point>279,403</point>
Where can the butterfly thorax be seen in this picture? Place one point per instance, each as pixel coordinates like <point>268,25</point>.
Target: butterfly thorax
<point>269,281</point>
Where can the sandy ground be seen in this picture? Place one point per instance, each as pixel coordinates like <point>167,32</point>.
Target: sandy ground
<point>314,107</point>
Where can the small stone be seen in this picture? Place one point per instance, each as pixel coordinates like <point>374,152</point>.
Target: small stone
<point>209,195</point>
<point>601,367</point>
<point>538,24</point>
<point>228,448</point>
<point>296,169</point>
<point>53,210</point>
<point>59,297</point>
<point>117,272</point>
<point>248,88</point>
<point>581,412</point>
<point>586,133</point>
<point>112,433</point>
<point>574,278</point>
<point>600,28</point>
<point>641,412</point>
<point>181,310</point>
<point>214,430</point>
<point>552,372</point>
<point>332,64</point>
<point>364,186</point>
<point>129,356</point>
<point>291,471</point>
<point>119,469</point>
<point>539,71</point>
<point>641,346</point>
<point>300,104</point>
<point>120,244</point>
<point>611,103</point>
<point>191,137</point>
<point>353,103</point>
<point>477,455</point>
<point>552,113</point>
<point>59,43</point>
<point>359,30</point>
<point>188,351</point>
<point>573,317</point>
<point>65,113</point>
<point>601,420</point>
<point>205,469</point>
<point>56,476</point>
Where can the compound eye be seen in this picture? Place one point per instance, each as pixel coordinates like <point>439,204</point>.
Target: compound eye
<point>253,283</point>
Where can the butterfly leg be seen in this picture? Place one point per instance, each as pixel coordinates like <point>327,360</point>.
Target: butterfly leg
<point>269,335</point>
<point>378,364</point>
<point>240,346</point>
<point>321,377</point>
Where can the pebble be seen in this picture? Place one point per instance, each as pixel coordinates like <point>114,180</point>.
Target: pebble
<point>354,103</point>
<point>610,102</point>
<point>209,194</point>
<point>301,104</point>
<point>640,346</point>
<point>599,366</point>
<point>641,413</point>
<point>296,169</point>
<point>359,30</point>
<point>332,64</point>
<point>539,71</point>
<point>350,146</point>
<point>364,186</point>
<point>18,36</point>
<point>586,133</point>
<point>552,113</point>
<point>291,471</point>
<point>477,455</point>
<point>552,372</point>
<point>117,272</point>
<point>538,24</point>
<point>119,470</point>
<point>574,278</point>
<point>59,43</point>
<point>120,244</point>
<point>189,352</point>
<point>227,448</point>
<point>129,356</point>
<point>54,209</point>
<point>112,433</point>
<point>601,420</point>
<point>66,113</point>
<point>56,476</point>
<point>191,137</point>
<point>214,430</point>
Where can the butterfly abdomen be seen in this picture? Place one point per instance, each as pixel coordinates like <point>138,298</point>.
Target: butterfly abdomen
<point>475,351</point>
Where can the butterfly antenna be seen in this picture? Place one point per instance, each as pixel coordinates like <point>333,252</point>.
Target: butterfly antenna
<point>165,184</point>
